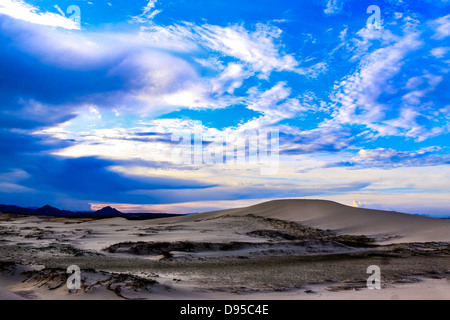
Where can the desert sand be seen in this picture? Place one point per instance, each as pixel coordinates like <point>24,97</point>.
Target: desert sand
<point>284,249</point>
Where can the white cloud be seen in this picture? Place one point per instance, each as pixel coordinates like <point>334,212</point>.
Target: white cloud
<point>414,106</point>
<point>148,12</point>
<point>59,9</point>
<point>275,102</point>
<point>441,27</point>
<point>359,204</point>
<point>19,9</point>
<point>212,62</point>
<point>390,158</point>
<point>314,71</point>
<point>356,98</point>
<point>334,7</point>
<point>153,82</point>
<point>230,79</point>
<point>445,112</point>
<point>323,139</point>
<point>165,83</point>
<point>95,112</point>
<point>179,38</point>
<point>398,15</point>
<point>258,53</point>
<point>440,52</point>
<point>415,95</point>
<point>160,82</point>
<point>258,48</point>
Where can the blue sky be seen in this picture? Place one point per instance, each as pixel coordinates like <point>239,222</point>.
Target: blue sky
<point>88,110</point>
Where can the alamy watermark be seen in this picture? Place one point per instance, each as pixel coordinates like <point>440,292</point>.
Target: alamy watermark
<point>374,21</point>
<point>374,281</point>
<point>74,280</point>
<point>255,146</point>
<point>75,12</point>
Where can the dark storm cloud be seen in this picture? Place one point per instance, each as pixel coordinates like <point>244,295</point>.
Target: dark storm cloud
<point>45,76</point>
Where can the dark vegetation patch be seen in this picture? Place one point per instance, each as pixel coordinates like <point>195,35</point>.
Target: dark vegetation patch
<point>7,266</point>
<point>288,230</point>
<point>414,249</point>
<point>40,234</point>
<point>354,241</point>
<point>7,231</point>
<point>118,282</point>
<point>55,278</point>
<point>164,248</point>
<point>272,234</point>
<point>49,278</point>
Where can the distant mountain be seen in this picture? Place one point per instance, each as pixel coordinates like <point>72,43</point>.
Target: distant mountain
<point>51,211</point>
<point>106,212</point>
<point>15,209</point>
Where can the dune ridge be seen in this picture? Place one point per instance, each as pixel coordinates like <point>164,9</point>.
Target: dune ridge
<point>384,226</point>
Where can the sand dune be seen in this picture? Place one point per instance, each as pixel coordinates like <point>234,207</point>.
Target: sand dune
<point>385,226</point>
<point>296,249</point>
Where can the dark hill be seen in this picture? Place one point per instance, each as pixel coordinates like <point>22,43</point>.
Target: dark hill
<point>15,209</point>
<point>49,211</point>
<point>107,212</point>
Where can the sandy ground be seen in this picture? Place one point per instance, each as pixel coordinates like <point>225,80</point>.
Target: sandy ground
<point>289,249</point>
<point>385,226</point>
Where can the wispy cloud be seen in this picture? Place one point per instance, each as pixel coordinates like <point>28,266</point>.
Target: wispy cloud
<point>441,27</point>
<point>19,9</point>
<point>440,52</point>
<point>334,7</point>
<point>360,98</point>
<point>390,158</point>
<point>275,102</point>
<point>148,12</point>
<point>257,48</point>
